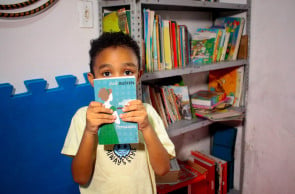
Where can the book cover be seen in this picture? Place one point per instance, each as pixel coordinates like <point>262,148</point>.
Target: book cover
<point>174,43</point>
<point>156,101</point>
<point>221,174</point>
<point>167,45</point>
<point>202,47</point>
<point>224,80</point>
<point>243,49</point>
<point>115,93</point>
<point>208,164</point>
<point>218,33</point>
<point>207,97</point>
<point>220,115</point>
<point>116,21</point>
<point>235,26</point>
<point>183,101</point>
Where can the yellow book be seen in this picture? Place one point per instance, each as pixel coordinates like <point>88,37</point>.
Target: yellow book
<point>110,22</point>
<point>167,46</point>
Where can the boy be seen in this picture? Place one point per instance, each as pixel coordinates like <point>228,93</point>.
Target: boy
<point>121,168</point>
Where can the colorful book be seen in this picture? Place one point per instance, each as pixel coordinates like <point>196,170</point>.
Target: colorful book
<point>183,101</point>
<point>224,80</point>
<point>116,21</point>
<point>202,47</point>
<point>218,35</point>
<point>235,26</point>
<point>207,97</point>
<point>115,93</point>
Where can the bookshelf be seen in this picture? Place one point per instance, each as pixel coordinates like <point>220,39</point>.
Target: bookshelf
<point>212,10</point>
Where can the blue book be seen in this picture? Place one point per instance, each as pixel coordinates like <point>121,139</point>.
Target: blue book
<point>115,93</point>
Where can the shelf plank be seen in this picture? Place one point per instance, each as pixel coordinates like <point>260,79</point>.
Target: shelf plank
<point>191,4</point>
<point>179,5</point>
<point>184,126</point>
<point>191,69</point>
<point>234,191</point>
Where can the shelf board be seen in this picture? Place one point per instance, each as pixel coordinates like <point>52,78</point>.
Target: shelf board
<point>192,5</point>
<point>188,5</point>
<point>184,126</point>
<point>234,191</point>
<point>191,69</point>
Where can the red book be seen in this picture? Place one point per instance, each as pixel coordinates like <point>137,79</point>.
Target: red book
<point>208,164</point>
<point>187,177</point>
<point>174,42</point>
<point>221,172</point>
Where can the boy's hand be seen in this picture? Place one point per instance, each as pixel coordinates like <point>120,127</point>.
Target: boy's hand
<point>136,112</point>
<point>97,115</point>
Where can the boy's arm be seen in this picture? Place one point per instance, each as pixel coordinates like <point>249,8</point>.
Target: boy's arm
<point>159,158</point>
<point>158,155</point>
<point>83,162</point>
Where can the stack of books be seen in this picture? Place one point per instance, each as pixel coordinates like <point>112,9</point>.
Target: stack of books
<point>214,106</point>
<point>206,99</point>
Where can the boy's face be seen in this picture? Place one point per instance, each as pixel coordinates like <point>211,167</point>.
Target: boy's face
<point>115,62</point>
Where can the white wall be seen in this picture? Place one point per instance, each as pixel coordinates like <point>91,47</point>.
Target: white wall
<point>270,135</point>
<point>52,44</point>
<point>45,46</point>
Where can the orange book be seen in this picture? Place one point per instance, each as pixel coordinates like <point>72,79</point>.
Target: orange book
<point>224,80</point>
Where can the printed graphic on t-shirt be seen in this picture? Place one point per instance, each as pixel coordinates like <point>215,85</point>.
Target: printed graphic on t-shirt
<point>121,154</point>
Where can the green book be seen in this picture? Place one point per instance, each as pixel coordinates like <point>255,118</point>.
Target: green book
<point>115,93</point>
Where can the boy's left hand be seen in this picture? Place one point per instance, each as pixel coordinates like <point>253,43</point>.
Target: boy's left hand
<point>135,112</point>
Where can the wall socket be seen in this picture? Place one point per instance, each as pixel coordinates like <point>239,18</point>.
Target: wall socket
<point>85,9</point>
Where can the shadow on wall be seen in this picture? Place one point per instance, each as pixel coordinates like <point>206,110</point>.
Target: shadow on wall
<point>33,127</point>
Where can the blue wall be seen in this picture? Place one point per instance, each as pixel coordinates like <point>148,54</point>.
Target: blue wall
<point>33,127</point>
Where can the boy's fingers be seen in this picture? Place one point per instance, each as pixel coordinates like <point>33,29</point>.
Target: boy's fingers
<point>98,107</point>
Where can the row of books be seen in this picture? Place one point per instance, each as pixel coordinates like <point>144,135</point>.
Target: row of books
<point>171,102</point>
<point>169,45</point>
<point>219,42</point>
<point>166,43</point>
<point>174,103</point>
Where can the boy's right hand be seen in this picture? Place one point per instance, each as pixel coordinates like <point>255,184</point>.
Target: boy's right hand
<point>97,115</point>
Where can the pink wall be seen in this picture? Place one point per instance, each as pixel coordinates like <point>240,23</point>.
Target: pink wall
<point>270,135</point>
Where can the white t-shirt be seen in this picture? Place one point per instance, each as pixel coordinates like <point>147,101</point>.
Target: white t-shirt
<point>119,169</point>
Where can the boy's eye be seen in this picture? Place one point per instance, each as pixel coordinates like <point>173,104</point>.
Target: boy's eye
<point>127,72</point>
<point>106,74</point>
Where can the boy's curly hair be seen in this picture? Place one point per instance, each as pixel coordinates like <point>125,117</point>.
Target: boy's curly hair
<point>112,39</point>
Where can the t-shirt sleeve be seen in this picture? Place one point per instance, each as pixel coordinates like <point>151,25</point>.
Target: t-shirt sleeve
<point>75,133</point>
<point>159,127</point>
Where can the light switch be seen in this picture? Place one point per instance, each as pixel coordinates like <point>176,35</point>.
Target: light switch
<point>85,14</point>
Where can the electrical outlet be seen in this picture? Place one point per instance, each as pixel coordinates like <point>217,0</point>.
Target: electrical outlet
<point>85,14</point>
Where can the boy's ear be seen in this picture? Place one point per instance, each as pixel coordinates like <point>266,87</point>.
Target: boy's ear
<point>90,77</point>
